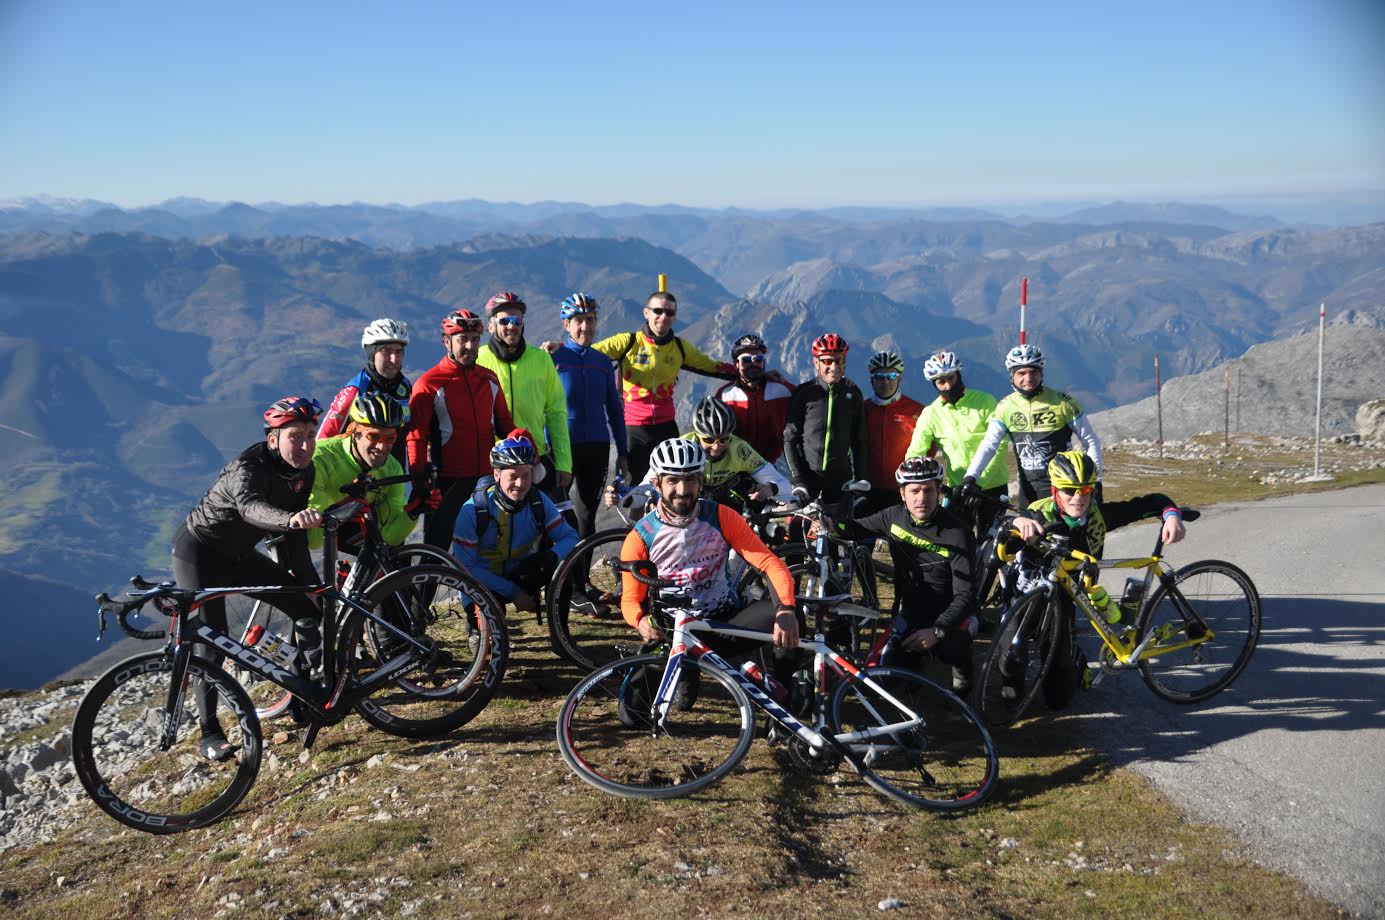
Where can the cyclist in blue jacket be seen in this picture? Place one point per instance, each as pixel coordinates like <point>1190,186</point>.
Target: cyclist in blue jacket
<point>509,535</point>
<point>595,413</point>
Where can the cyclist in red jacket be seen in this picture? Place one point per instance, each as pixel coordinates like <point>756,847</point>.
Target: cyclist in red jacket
<point>761,405</point>
<point>890,420</point>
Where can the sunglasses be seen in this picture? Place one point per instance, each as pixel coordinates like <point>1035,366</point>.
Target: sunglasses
<point>1080,490</point>
<point>663,311</point>
<point>713,442</point>
<point>752,359</point>
<point>388,438</point>
<point>509,321</point>
<point>885,375</point>
<point>829,362</point>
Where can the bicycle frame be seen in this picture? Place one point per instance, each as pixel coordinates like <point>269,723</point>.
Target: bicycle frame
<point>685,643</point>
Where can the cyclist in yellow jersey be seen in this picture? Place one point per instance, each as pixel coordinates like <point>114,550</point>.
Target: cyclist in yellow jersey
<point>1040,423</point>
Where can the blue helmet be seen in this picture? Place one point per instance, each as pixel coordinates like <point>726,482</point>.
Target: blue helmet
<point>578,304</point>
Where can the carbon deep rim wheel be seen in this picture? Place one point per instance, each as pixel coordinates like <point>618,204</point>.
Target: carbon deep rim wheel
<point>1021,655</point>
<point>116,747</point>
<point>607,736</point>
<point>1225,598</point>
<point>947,762</point>
<point>581,633</point>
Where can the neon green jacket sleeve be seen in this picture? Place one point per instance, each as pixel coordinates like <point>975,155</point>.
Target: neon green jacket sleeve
<point>334,467</point>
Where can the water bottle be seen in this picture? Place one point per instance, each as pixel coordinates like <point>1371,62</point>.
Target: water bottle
<point>1101,600</point>
<point>1131,598</point>
<point>270,646</point>
<point>777,691</point>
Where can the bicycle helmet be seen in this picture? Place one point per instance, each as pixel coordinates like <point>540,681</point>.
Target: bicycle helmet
<point>578,304</point>
<point>748,342</point>
<point>461,321</point>
<point>516,449</point>
<point>291,409</point>
<point>383,332</point>
<point>941,364</point>
<point>919,469</point>
<point>713,418</point>
<point>377,410</point>
<point>504,301</point>
<point>829,344</point>
<point>885,361</point>
<point>1024,356</point>
<point>1072,469</point>
<point>677,457</point>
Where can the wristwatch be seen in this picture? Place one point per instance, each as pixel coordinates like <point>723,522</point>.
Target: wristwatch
<point>938,633</point>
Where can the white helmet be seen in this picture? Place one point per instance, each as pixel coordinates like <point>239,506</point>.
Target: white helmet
<point>1024,356</point>
<point>940,365</point>
<point>885,361</point>
<point>383,332</point>
<point>677,457</point>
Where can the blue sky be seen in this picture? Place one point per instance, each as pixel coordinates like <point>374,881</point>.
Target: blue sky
<point>748,104</point>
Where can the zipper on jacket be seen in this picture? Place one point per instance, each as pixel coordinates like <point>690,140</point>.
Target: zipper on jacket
<point>827,436</point>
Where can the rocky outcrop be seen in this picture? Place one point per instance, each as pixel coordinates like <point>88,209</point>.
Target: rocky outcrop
<point>1370,420</point>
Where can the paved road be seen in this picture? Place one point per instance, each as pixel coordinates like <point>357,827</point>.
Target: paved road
<point>1291,756</point>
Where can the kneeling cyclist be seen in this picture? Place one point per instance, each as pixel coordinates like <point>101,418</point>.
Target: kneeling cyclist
<point>932,551</point>
<point>1071,509</point>
<point>510,536</point>
<point>687,537</point>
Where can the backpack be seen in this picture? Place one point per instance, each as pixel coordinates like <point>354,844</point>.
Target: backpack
<point>483,511</point>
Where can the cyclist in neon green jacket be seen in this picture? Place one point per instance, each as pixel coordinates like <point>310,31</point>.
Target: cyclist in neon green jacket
<point>374,426</point>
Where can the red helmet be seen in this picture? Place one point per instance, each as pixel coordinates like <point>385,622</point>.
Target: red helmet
<point>504,300</point>
<point>460,321</point>
<point>292,409</point>
<point>829,344</point>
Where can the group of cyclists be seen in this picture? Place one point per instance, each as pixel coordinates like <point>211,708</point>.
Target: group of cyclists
<point>509,446</point>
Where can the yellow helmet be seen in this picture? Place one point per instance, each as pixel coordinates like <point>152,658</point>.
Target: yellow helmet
<point>376,410</point>
<point>1072,469</point>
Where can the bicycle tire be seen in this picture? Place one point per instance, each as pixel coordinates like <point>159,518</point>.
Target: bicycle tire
<point>271,700</point>
<point>1027,635</point>
<point>696,746</point>
<point>1232,609</point>
<point>437,605</point>
<point>408,555</point>
<point>116,738</point>
<point>948,763</point>
<point>590,641</point>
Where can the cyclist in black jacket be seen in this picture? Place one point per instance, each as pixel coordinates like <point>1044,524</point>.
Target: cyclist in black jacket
<point>261,492</point>
<point>931,549</point>
<point>825,436</point>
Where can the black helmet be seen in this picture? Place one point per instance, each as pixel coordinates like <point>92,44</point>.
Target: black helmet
<point>748,342</point>
<point>713,418</point>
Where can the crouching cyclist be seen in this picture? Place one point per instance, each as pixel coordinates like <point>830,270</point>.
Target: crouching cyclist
<point>1071,509</point>
<point>687,537</point>
<point>374,427</point>
<point>509,535</point>
<point>263,491</point>
<point>932,551</point>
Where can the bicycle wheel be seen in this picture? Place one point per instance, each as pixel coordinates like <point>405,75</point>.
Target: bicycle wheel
<point>407,555</point>
<point>947,762</point>
<point>1219,595</point>
<point>607,732</point>
<point>1021,655</point>
<point>582,585</point>
<point>458,620</point>
<point>116,751</point>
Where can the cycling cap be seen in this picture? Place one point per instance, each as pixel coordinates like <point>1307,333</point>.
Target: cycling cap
<point>377,411</point>
<point>941,364</point>
<point>713,418</point>
<point>578,304</point>
<point>516,449</point>
<point>504,301</point>
<point>918,469</point>
<point>1072,469</point>
<point>291,409</point>
<point>1024,356</point>
<point>829,344</point>
<point>461,321</point>
<point>885,361</point>
<point>384,332</point>
<point>677,457</point>
<point>748,342</point>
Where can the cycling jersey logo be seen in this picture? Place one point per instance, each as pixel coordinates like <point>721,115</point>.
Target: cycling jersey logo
<point>1032,456</point>
<point>640,358</point>
<point>1018,421</point>
<point>1045,418</point>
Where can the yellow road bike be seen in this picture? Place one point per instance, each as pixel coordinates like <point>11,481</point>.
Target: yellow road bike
<point>1194,628</point>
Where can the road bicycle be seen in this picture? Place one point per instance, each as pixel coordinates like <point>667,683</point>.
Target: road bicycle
<point>373,557</point>
<point>1195,628</point>
<point>664,725</point>
<point>417,653</point>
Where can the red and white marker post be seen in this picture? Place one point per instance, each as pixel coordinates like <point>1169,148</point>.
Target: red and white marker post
<point>1024,302</point>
